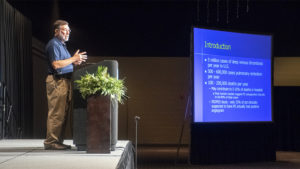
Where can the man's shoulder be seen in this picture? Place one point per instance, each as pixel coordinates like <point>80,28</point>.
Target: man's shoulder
<point>52,42</point>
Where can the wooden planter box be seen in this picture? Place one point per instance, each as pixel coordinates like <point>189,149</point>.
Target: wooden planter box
<point>98,124</point>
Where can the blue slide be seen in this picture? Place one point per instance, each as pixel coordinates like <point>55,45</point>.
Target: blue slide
<point>232,76</point>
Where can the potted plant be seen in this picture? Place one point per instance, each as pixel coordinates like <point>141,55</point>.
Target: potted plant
<point>99,89</point>
<point>101,84</point>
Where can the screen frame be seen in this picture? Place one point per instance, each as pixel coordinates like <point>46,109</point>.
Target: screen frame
<point>192,74</point>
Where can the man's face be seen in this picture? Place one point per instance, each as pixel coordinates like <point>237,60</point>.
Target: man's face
<point>64,33</point>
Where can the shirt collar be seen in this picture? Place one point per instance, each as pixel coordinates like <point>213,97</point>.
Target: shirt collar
<point>59,41</point>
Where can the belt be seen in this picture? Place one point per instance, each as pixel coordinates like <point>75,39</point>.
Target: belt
<point>62,76</point>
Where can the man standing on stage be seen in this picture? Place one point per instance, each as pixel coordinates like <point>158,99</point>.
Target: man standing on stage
<point>58,84</point>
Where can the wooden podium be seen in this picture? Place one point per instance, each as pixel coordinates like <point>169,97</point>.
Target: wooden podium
<point>95,124</point>
<point>98,124</point>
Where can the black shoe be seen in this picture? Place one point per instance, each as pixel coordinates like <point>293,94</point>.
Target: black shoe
<point>67,146</point>
<point>56,146</point>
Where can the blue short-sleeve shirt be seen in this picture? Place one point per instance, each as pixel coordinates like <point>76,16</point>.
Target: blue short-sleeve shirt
<point>57,50</point>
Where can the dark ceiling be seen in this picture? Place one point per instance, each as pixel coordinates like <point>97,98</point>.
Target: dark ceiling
<point>161,28</point>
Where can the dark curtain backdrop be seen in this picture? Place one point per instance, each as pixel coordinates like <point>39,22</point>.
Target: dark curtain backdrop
<point>16,70</point>
<point>286,104</point>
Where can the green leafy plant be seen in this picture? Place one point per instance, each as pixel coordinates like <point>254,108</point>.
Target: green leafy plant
<point>101,83</point>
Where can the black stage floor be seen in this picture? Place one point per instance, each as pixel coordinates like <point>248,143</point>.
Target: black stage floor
<point>165,157</point>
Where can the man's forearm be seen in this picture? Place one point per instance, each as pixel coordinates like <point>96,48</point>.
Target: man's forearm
<point>62,63</point>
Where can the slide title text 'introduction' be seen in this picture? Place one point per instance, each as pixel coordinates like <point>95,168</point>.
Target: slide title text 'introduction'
<point>217,46</point>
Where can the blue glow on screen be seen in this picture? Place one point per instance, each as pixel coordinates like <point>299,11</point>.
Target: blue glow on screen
<point>232,76</point>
